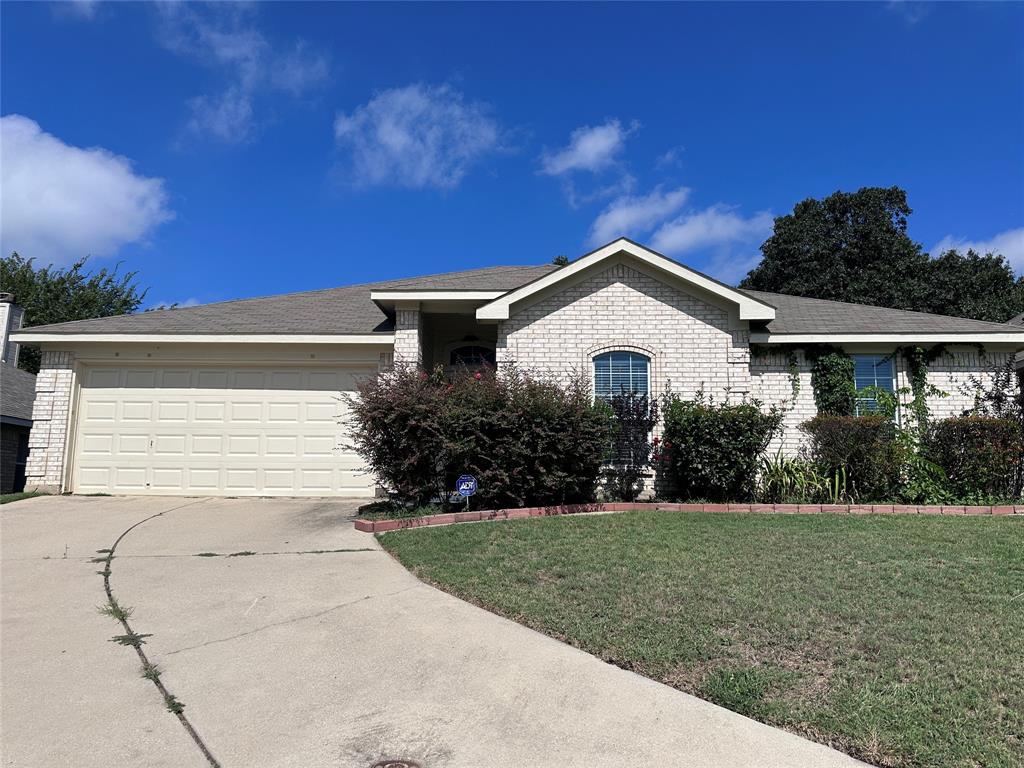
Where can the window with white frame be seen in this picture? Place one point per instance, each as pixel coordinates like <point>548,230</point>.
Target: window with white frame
<point>872,371</point>
<point>615,372</point>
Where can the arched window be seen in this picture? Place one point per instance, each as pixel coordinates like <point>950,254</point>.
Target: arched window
<point>473,355</point>
<point>618,371</point>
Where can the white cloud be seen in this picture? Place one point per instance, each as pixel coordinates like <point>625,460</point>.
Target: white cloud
<point>80,9</point>
<point>1009,243</point>
<point>591,148</point>
<point>60,203</point>
<point>670,158</point>
<point>712,227</point>
<point>225,37</point>
<point>632,216</point>
<point>416,136</point>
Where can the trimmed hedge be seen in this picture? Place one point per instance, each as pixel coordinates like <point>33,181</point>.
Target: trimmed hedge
<point>982,456</point>
<point>863,449</point>
<point>711,451</point>
<point>528,442</point>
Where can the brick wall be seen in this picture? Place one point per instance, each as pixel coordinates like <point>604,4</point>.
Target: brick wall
<point>408,346</point>
<point>773,385</point>
<point>689,341</point>
<point>48,439</point>
<point>951,372</point>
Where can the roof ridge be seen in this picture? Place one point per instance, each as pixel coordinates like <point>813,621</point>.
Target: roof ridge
<point>1000,326</point>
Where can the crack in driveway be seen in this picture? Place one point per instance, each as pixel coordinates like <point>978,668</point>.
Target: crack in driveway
<point>285,622</point>
<point>136,640</point>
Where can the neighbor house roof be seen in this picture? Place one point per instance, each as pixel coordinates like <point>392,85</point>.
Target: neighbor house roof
<point>17,393</point>
<point>351,310</point>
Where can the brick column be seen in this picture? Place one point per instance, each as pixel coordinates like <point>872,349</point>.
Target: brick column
<point>47,441</point>
<point>408,341</point>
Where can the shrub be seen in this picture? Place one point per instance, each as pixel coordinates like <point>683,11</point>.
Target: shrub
<point>711,451</point>
<point>527,441</point>
<point>631,445</point>
<point>790,480</point>
<point>861,449</point>
<point>983,456</point>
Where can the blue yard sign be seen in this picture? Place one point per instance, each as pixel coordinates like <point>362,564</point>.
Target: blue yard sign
<point>466,486</point>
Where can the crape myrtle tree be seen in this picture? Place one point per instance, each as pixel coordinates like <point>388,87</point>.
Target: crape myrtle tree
<point>52,295</point>
<point>853,246</point>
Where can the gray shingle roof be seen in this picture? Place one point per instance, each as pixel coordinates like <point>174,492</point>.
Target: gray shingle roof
<point>17,392</point>
<point>349,310</point>
<point>798,314</point>
<point>346,310</point>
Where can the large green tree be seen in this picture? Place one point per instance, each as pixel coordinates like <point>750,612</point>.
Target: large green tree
<point>853,246</point>
<point>52,295</point>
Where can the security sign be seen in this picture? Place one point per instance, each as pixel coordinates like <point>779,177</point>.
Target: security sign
<point>466,485</point>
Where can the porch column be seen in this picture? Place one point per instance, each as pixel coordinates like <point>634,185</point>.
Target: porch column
<point>47,442</point>
<point>408,336</point>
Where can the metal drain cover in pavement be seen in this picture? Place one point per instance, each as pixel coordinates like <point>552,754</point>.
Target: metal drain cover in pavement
<point>396,764</point>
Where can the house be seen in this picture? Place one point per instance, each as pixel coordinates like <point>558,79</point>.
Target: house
<point>17,391</point>
<point>242,397</point>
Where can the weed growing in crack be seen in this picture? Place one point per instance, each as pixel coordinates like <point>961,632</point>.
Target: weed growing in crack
<point>100,559</point>
<point>244,553</point>
<point>150,671</point>
<point>103,551</point>
<point>115,610</point>
<point>172,704</point>
<point>207,554</point>
<point>134,639</point>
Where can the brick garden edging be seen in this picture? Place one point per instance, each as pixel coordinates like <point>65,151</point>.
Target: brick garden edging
<point>379,526</point>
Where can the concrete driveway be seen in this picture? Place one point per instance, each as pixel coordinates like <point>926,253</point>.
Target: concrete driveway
<point>316,650</point>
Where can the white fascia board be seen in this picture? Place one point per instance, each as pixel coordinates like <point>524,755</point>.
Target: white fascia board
<point>749,308</point>
<point>389,296</point>
<point>1010,337</point>
<point>203,338</point>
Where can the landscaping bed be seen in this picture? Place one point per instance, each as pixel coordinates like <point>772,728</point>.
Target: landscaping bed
<point>896,639</point>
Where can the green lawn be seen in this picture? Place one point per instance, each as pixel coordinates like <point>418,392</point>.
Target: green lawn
<point>7,498</point>
<point>897,639</point>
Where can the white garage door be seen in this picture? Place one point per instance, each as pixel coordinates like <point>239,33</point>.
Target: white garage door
<point>214,430</point>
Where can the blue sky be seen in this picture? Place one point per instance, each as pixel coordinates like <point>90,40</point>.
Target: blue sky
<point>239,150</point>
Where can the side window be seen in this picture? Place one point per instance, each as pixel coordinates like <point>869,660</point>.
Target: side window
<point>615,372</point>
<point>872,371</point>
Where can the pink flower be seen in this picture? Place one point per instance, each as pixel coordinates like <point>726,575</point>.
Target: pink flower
<point>478,375</point>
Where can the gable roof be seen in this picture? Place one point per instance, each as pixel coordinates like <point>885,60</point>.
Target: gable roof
<point>350,313</point>
<point>750,308</point>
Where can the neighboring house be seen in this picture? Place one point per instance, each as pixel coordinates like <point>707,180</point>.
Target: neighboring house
<point>242,397</point>
<point>1018,320</point>
<point>17,391</point>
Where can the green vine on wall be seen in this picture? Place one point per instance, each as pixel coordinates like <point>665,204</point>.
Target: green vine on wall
<point>794,374</point>
<point>832,379</point>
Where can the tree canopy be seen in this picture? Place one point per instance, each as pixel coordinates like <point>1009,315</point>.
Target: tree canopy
<point>854,247</point>
<point>52,295</point>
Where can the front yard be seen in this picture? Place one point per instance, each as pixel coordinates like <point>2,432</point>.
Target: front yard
<point>897,639</point>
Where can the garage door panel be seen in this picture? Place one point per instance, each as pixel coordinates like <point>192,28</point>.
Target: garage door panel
<point>137,410</point>
<point>133,445</point>
<point>283,445</point>
<point>211,430</point>
<point>169,445</point>
<point>243,445</point>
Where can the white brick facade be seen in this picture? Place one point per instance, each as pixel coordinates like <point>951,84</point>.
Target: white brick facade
<point>689,341</point>
<point>408,331</point>
<point>50,418</point>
